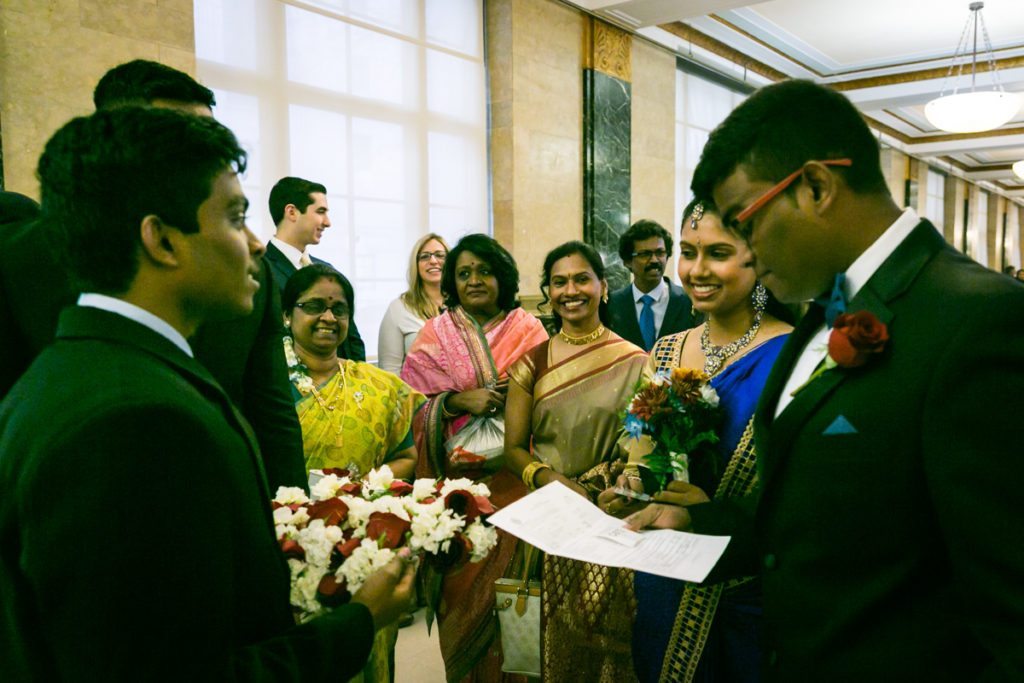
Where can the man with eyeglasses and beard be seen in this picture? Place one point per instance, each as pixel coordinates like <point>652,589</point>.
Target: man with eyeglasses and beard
<point>651,307</point>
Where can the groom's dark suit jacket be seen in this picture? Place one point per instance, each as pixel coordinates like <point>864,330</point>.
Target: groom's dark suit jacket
<point>136,539</point>
<point>889,532</point>
<point>244,354</point>
<point>353,347</point>
<point>622,312</point>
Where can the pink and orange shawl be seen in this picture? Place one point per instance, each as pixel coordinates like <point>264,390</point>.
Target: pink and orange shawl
<point>451,354</point>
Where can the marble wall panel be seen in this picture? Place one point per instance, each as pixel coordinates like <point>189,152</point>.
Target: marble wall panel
<point>607,168</point>
<point>652,156</point>
<point>53,52</point>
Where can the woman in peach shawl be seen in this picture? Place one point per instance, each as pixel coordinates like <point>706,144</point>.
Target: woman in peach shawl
<point>460,360</point>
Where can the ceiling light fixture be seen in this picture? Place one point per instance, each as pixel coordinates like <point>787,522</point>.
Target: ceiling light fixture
<point>1018,169</point>
<point>974,111</point>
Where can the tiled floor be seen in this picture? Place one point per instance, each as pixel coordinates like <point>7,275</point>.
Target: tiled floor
<point>418,655</point>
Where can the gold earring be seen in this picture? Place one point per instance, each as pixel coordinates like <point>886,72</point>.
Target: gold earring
<point>604,296</point>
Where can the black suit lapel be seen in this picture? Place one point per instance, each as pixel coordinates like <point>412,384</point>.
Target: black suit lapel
<point>624,312</point>
<point>678,316</point>
<point>894,276</point>
<point>87,322</point>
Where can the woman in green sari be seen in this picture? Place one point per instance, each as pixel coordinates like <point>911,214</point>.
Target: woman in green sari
<point>352,415</point>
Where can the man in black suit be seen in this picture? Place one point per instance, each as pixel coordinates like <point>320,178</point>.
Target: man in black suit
<point>136,537</point>
<point>652,307</point>
<point>888,527</point>
<point>243,354</point>
<point>299,209</point>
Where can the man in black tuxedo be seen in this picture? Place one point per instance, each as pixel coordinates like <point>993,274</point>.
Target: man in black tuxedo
<point>652,307</point>
<point>299,209</point>
<point>244,354</point>
<point>888,527</point>
<point>136,537</point>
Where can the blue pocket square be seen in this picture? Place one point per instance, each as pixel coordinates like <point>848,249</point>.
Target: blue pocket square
<point>840,426</point>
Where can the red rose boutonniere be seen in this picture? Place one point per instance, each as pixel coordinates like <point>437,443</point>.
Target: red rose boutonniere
<point>854,339</point>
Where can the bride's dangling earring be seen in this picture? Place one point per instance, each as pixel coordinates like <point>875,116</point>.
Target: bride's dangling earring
<point>759,297</point>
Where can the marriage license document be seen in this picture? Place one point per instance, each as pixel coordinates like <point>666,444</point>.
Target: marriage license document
<point>561,522</point>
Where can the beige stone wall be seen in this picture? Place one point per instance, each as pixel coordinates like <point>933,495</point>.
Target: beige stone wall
<point>653,135</point>
<point>895,166</point>
<point>535,68</point>
<point>52,52</point>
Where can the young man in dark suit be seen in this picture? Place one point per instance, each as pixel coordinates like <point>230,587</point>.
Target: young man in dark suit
<point>136,537</point>
<point>887,531</point>
<point>299,209</point>
<point>243,354</point>
<point>652,307</point>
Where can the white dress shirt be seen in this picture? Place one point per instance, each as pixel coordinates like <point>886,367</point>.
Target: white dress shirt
<point>293,255</point>
<point>139,315</point>
<point>660,294</point>
<point>856,276</point>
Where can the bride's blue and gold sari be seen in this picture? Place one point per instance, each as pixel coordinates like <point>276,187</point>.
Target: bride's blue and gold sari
<point>691,632</point>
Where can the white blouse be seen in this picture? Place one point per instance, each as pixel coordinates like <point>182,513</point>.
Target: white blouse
<point>398,331</point>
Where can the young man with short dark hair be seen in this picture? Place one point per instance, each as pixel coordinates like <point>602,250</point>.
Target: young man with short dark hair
<point>299,210</point>
<point>136,536</point>
<point>887,529</point>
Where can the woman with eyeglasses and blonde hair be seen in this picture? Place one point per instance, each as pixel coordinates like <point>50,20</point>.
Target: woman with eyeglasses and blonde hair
<point>423,300</point>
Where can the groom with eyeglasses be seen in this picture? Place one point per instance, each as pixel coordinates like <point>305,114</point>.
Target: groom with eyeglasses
<point>889,527</point>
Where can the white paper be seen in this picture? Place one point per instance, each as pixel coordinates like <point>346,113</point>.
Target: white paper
<point>561,522</point>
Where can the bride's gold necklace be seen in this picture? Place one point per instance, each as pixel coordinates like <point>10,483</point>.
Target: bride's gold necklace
<point>584,339</point>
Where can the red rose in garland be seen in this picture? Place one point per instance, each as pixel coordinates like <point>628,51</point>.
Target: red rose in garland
<point>389,526</point>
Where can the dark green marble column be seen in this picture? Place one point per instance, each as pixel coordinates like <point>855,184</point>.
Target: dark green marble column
<point>607,114</point>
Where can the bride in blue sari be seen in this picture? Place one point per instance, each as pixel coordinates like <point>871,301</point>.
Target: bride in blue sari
<point>692,632</point>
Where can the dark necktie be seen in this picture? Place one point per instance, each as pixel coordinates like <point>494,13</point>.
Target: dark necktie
<point>834,302</point>
<point>647,322</point>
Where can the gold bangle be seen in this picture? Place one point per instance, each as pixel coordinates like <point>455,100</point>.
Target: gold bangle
<point>444,409</point>
<point>530,473</point>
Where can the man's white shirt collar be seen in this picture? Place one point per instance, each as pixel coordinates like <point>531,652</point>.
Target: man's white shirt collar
<point>139,315</point>
<point>290,252</point>
<point>658,293</point>
<point>857,275</point>
<point>861,270</point>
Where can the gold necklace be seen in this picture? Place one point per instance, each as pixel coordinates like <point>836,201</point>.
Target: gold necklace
<point>585,339</point>
<point>341,392</point>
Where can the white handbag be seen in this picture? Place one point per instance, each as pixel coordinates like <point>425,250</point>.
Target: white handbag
<point>517,603</point>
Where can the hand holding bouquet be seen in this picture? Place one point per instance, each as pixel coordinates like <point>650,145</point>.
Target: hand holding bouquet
<point>348,529</point>
<point>680,412</point>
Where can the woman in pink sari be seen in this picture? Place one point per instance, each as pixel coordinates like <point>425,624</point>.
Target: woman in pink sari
<point>460,360</point>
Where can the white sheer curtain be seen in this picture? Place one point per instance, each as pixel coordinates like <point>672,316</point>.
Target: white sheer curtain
<point>977,238</point>
<point>700,106</point>
<point>935,199</point>
<point>382,101</point>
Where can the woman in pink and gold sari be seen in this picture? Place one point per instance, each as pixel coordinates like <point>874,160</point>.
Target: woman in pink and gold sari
<point>460,360</point>
<point>563,425</point>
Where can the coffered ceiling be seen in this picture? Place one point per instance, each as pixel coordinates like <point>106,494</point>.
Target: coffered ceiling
<point>890,57</point>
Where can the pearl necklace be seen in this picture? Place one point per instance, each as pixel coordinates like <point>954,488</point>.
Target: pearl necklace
<point>585,339</point>
<point>715,356</point>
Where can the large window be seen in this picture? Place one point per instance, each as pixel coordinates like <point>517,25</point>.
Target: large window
<point>935,199</point>
<point>382,101</point>
<point>977,239</point>
<point>700,106</point>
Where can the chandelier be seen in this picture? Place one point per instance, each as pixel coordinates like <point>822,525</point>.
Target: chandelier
<point>976,110</point>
